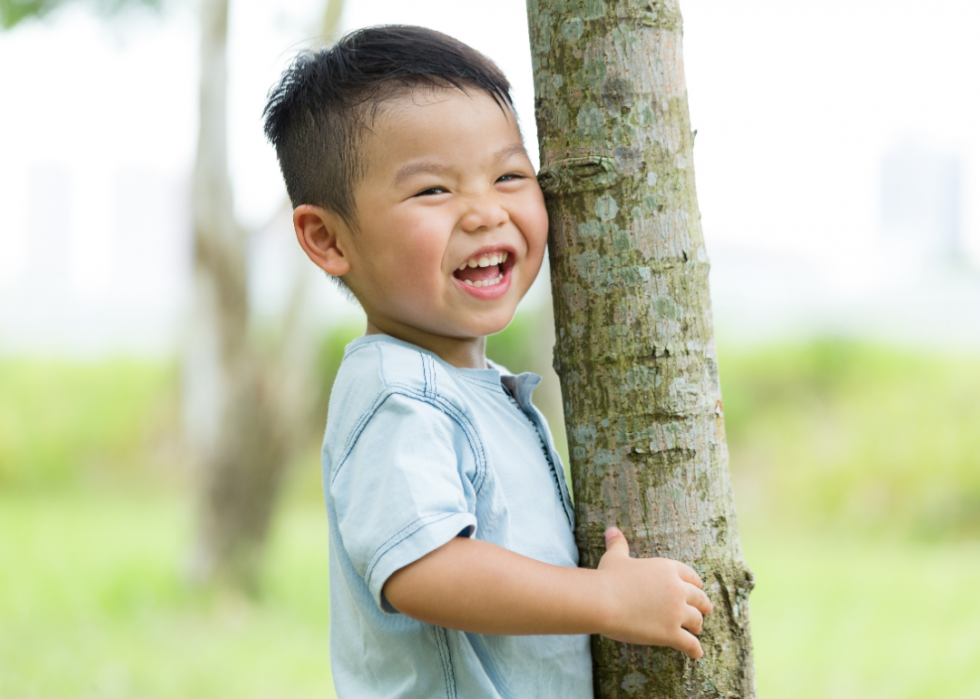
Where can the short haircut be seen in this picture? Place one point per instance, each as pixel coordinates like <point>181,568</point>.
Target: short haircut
<point>326,99</point>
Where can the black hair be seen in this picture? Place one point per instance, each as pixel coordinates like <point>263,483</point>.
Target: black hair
<point>325,99</point>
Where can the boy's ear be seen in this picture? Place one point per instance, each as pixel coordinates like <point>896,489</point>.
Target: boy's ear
<point>318,232</point>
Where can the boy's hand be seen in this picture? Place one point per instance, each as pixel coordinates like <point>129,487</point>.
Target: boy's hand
<point>651,601</point>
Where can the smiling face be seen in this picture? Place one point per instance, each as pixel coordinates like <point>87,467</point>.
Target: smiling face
<point>451,223</point>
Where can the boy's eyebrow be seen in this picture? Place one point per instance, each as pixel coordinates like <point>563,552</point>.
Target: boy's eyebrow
<point>510,151</point>
<point>417,168</point>
<point>410,169</point>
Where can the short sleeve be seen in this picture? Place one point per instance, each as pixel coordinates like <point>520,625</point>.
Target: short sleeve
<point>402,490</point>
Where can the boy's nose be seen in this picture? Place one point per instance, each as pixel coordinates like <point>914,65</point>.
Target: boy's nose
<point>484,213</point>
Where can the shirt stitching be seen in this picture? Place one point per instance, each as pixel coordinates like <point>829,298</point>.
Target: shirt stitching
<point>449,657</point>
<point>358,348</point>
<point>448,676</point>
<point>472,439</point>
<point>545,436</point>
<point>435,374</point>
<point>491,385</point>
<point>547,455</point>
<point>444,406</point>
<point>400,536</point>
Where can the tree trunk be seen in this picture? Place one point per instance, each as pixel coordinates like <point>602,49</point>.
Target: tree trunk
<point>635,351</point>
<point>246,410</point>
<point>231,402</point>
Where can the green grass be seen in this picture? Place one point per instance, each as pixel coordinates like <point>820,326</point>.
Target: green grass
<point>857,478</point>
<point>97,607</point>
<point>93,603</point>
<point>870,438</point>
<point>853,618</point>
<point>65,424</point>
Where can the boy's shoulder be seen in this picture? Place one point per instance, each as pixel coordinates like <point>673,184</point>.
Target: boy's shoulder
<point>382,378</point>
<point>377,366</point>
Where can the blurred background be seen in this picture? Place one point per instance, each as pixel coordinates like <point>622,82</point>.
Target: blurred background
<point>162,531</point>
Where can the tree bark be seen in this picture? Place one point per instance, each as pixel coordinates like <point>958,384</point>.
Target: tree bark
<point>246,408</point>
<point>635,351</point>
<point>232,412</point>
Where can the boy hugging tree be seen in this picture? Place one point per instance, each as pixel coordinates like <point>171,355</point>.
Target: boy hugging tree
<point>453,568</point>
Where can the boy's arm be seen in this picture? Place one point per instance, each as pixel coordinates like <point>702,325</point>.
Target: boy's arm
<point>475,586</point>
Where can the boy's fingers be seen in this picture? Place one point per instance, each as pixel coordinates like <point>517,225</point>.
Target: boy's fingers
<point>688,644</point>
<point>693,621</point>
<point>697,599</point>
<point>616,542</point>
<point>688,574</point>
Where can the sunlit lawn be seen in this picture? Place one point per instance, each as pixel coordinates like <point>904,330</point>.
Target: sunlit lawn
<point>840,619</point>
<point>857,476</point>
<point>93,604</point>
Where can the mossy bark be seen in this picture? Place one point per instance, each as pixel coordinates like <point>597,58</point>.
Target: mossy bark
<point>635,350</point>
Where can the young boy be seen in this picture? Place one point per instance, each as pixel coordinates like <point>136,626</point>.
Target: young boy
<point>453,568</point>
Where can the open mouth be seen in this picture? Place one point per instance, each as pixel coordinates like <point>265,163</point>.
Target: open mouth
<point>487,269</point>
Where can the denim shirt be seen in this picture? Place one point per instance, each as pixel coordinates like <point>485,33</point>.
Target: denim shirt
<point>417,452</point>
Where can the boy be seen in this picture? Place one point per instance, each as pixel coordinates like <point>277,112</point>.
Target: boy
<point>452,560</point>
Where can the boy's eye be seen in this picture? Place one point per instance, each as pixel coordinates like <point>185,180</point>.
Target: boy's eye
<point>510,177</point>
<point>431,191</point>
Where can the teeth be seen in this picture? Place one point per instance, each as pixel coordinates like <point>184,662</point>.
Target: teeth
<point>488,282</point>
<point>485,260</point>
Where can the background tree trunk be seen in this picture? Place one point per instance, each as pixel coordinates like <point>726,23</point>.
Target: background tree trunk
<point>634,349</point>
<point>246,406</point>
<point>230,411</point>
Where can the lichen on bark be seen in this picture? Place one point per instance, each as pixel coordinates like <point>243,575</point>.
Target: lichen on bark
<point>635,350</point>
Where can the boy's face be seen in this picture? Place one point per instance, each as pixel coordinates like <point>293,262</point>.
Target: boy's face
<point>448,185</point>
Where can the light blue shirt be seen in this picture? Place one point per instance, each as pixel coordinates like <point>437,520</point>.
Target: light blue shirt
<point>417,452</point>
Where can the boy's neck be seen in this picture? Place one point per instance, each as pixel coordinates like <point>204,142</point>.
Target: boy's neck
<point>460,353</point>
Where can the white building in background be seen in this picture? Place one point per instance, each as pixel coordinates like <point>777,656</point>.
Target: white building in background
<point>921,211</point>
<point>102,264</point>
<point>815,221</point>
<point>911,283</point>
<point>102,261</point>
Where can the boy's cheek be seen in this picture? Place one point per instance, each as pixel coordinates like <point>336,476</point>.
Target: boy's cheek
<point>536,219</point>
<point>541,226</point>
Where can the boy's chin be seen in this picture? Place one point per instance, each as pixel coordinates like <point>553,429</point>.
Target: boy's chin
<point>475,331</point>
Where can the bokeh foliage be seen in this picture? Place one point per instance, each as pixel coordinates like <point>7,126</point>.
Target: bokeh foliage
<point>851,435</point>
<point>65,424</point>
<point>13,12</point>
<point>93,605</point>
<point>856,476</point>
<point>833,433</point>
